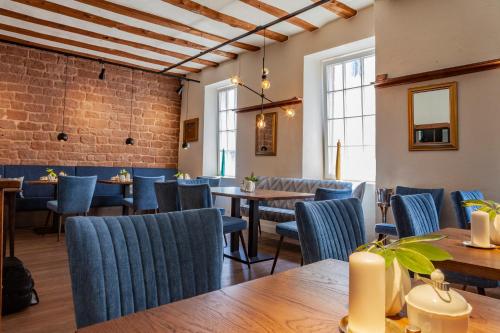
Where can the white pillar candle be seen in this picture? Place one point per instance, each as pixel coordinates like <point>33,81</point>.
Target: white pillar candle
<point>366,293</point>
<point>480,228</point>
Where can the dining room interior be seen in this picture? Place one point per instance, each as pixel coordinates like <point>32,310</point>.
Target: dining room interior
<point>249,166</point>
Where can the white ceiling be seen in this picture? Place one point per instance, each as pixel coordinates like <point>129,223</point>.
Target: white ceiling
<point>318,16</point>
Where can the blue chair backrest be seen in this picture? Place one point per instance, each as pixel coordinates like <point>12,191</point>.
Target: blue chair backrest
<point>198,181</point>
<point>144,192</point>
<point>437,194</point>
<point>332,194</point>
<point>464,213</point>
<point>74,194</point>
<point>166,196</point>
<point>415,214</point>
<point>195,196</point>
<point>125,264</point>
<point>330,229</point>
<point>359,191</point>
<point>212,181</point>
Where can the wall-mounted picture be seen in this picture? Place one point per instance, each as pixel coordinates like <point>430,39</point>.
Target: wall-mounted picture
<point>265,137</point>
<point>191,130</point>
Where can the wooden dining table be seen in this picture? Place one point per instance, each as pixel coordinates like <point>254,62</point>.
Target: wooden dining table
<point>236,194</point>
<point>484,263</point>
<point>311,298</point>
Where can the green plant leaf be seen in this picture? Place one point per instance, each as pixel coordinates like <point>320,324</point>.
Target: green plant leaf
<point>430,251</point>
<point>417,239</point>
<point>389,256</point>
<point>469,203</point>
<point>414,261</point>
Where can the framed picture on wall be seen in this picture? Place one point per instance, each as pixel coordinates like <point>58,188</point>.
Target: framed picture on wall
<point>265,138</point>
<point>191,130</point>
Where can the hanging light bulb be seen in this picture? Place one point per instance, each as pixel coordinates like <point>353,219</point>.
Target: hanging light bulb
<point>265,71</point>
<point>265,83</point>
<point>235,79</point>
<point>289,112</point>
<point>261,122</point>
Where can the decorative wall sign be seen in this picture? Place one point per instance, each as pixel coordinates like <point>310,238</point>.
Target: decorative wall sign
<point>265,138</point>
<point>191,130</point>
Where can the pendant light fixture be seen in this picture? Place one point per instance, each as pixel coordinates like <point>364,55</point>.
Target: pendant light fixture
<point>265,83</point>
<point>236,79</point>
<point>186,145</point>
<point>130,141</point>
<point>102,74</point>
<point>63,136</point>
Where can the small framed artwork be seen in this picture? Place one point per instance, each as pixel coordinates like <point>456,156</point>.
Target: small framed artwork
<point>191,130</point>
<point>265,138</point>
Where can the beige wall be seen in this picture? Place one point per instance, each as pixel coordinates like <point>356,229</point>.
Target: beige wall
<point>286,64</point>
<point>414,36</point>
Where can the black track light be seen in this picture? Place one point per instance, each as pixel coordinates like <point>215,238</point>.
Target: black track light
<point>62,136</point>
<point>102,74</point>
<point>129,141</point>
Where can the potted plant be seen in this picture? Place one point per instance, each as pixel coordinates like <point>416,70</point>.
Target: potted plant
<point>414,254</point>
<point>51,174</point>
<point>182,175</point>
<point>123,175</point>
<point>249,183</point>
<point>493,209</point>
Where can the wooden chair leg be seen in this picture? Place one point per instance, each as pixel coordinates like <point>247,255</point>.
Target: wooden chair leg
<point>277,254</point>
<point>47,220</point>
<point>260,230</point>
<point>301,260</point>
<point>60,218</point>
<point>481,291</point>
<point>242,239</point>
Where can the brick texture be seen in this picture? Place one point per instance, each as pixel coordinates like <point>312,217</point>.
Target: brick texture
<point>97,112</point>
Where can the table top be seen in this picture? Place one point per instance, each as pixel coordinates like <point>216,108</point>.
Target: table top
<point>311,298</point>
<point>41,182</point>
<point>472,261</point>
<point>236,192</point>
<point>115,182</point>
<point>8,184</point>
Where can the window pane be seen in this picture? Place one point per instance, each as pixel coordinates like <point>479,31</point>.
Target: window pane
<point>223,140</point>
<point>353,102</point>
<point>329,78</point>
<point>231,101</point>
<point>338,83</point>
<point>231,163</point>
<point>222,100</point>
<point>368,100</point>
<point>369,70</point>
<point>231,140</point>
<point>222,121</point>
<point>359,163</point>
<point>353,131</point>
<point>353,73</point>
<point>369,131</point>
<point>335,132</point>
<point>331,161</point>
<point>231,120</point>
<point>338,104</point>
<point>329,105</point>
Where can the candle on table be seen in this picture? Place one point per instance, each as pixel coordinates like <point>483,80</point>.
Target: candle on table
<point>366,293</point>
<point>480,228</point>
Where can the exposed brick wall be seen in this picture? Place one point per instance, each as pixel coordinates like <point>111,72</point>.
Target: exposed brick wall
<point>97,112</point>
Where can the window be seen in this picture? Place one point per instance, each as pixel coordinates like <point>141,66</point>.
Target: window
<point>350,114</point>
<point>227,132</point>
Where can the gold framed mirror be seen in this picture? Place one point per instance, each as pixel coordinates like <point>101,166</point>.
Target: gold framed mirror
<point>265,138</point>
<point>432,117</point>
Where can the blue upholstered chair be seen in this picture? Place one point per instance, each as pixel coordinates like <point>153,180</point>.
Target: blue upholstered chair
<point>212,181</point>
<point>464,213</point>
<point>74,196</point>
<point>197,181</point>
<point>144,196</point>
<point>200,196</point>
<point>290,230</point>
<point>437,194</point>
<point>166,196</point>
<point>330,229</point>
<point>416,215</point>
<point>124,264</point>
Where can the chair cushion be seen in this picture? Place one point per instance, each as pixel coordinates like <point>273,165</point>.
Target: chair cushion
<point>233,224</point>
<point>288,229</point>
<point>52,205</point>
<point>128,202</point>
<point>272,213</point>
<point>386,229</point>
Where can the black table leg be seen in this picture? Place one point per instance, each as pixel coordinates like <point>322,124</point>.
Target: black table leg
<point>11,202</point>
<point>50,229</point>
<point>235,212</point>
<point>253,231</point>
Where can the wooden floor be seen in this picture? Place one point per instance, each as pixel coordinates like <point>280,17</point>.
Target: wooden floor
<point>48,262</point>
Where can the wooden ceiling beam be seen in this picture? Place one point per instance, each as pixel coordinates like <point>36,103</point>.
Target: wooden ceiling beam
<point>92,47</point>
<point>165,22</point>
<point>339,8</point>
<point>78,14</point>
<point>232,21</point>
<point>278,12</point>
<point>88,33</point>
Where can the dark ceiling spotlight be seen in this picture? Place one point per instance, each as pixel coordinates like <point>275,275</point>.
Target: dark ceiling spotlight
<point>102,74</point>
<point>63,136</point>
<point>129,141</point>
<point>185,145</point>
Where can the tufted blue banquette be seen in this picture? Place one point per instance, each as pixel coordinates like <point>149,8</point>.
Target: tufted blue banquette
<point>124,264</point>
<point>36,196</point>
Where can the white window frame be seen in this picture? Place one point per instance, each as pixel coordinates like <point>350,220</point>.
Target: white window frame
<point>326,63</point>
<point>226,88</point>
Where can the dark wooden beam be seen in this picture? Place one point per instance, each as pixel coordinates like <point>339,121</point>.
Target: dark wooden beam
<point>91,47</point>
<point>88,33</point>
<point>232,21</point>
<point>78,14</point>
<point>339,9</point>
<point>277,104</point>
<point>159,20</point>
<point>278,12</point>
<point>384,81</point>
